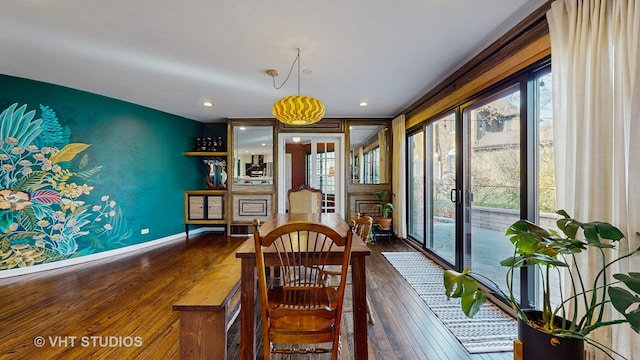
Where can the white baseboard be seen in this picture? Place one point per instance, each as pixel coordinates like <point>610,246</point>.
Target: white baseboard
<point>101,255</point>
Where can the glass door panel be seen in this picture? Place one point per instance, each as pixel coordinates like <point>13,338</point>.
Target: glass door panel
<point>323,172</point>
<point>492,183</point>
<point>440,184</point>
<point>416,187</point>
<point>546,185</point>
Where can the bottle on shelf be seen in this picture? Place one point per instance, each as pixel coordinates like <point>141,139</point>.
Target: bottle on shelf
<point>220,145</point>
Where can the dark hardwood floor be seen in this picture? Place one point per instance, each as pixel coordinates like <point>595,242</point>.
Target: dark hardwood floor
<point>120,308</point>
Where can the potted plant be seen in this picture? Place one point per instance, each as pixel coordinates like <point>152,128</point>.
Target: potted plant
<point>385,208</point>
<point>546,251</point>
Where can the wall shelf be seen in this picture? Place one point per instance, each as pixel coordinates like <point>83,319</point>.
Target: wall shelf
<point>205,153</point>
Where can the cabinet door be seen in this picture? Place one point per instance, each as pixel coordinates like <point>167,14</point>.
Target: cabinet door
<point>215,207</point>
<point>196,207</point>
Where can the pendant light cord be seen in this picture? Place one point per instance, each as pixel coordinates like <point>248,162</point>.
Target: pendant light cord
<point>296,60</point>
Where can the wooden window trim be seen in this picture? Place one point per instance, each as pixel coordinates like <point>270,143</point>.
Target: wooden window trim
<point>525,44</point>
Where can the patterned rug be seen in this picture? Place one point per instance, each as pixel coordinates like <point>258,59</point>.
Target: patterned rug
<point>491,330</point>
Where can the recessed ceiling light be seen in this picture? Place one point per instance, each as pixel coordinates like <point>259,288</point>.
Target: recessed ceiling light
<point>296,139</point>
<point>263,144</point>
<point>207,104</point>
<point>363,104</point>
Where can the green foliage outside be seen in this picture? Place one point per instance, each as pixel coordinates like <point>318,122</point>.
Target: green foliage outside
<point>500,185</point>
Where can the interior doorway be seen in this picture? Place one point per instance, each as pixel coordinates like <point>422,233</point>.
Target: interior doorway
<point>315,160</point>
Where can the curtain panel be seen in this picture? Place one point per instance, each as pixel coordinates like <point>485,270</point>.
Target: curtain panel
<point>399,176</point>
<point>596,106</point>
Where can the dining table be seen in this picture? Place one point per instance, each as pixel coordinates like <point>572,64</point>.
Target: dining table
<point>248,280</point>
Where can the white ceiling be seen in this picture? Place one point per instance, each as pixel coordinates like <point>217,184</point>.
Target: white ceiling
<point>172,55</point>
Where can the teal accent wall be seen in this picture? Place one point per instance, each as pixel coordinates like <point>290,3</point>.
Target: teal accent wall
<point>131,176</point>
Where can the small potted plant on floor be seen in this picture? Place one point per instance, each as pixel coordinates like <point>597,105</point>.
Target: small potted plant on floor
<point>560,325</point>
<point>384,207</point>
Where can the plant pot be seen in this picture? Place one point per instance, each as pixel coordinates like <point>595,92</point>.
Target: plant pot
<point>384,223</point>
<point>537,344</point>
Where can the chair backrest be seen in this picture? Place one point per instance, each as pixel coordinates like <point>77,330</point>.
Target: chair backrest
<point>305,200</point>
<point>300,308</point>
<point>362,226</point>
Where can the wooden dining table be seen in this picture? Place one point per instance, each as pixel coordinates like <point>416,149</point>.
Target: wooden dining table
<point>248,283</point>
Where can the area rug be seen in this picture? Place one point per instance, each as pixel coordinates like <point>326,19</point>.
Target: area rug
<point>491,330</point>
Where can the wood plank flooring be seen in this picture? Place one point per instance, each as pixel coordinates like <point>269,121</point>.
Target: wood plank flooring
<point>120,308</point>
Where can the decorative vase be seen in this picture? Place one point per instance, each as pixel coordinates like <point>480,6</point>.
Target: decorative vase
<point>537,344</point>
<point>216,176</point>
<point>223,178</point>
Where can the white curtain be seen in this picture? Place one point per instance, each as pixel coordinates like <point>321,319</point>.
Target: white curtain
<point>361,164</point>
<point>596,105</point>
<point>384,155</point>
<point>398,177</point>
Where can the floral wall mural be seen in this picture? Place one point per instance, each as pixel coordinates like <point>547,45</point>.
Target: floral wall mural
<point>44,180</point>
<point>82,174</point>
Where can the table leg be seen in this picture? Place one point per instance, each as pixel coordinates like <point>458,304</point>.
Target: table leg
<point>247,310</point>
<point>361,351</point>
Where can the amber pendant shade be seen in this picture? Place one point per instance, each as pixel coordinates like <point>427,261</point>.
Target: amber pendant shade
<point>298,110</point>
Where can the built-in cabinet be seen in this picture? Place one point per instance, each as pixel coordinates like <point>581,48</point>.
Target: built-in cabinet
<point>209,204</point>
<point>242,183</point>
<point>204,206</point>
<point>238,184</point>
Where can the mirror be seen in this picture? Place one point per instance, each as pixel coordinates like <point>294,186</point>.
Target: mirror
<point>252,155</point>
<point>369,154</point>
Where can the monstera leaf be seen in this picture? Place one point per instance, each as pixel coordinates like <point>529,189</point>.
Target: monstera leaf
<point>463,286</point>
<point>14,123</point>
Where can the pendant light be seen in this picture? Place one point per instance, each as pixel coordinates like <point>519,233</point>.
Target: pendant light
<point>296,109</point>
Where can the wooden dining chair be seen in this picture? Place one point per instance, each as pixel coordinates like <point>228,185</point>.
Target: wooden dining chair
<point>305,200</point>
<point>300,310</point>
<point>361,226</point>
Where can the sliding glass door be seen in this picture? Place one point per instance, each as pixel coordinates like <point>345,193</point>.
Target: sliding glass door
<point>441,196</point>
<point>477,169</point>
<point>432,182</point>
<point>415,186</point>
<point>546,185</point>
<point>492,185</point>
